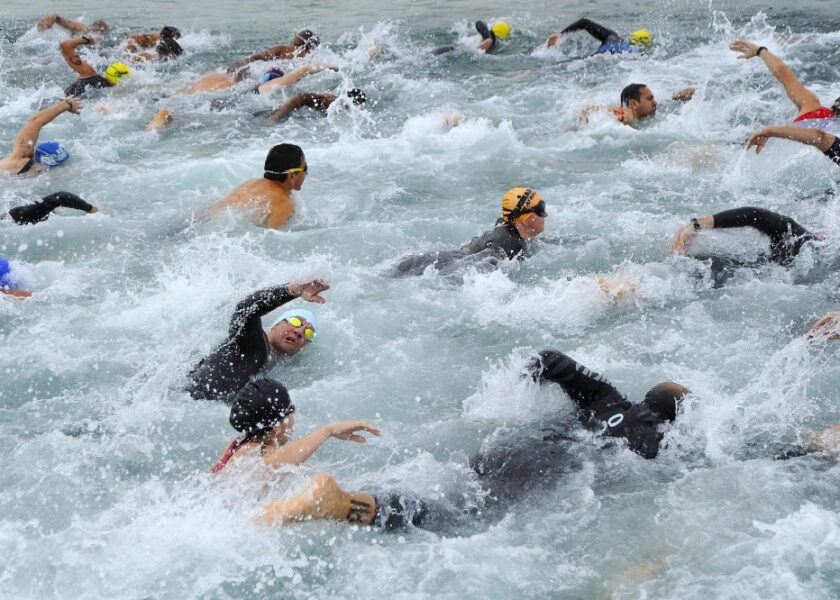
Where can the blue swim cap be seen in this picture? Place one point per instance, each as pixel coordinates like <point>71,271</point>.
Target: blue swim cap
<point>298,312</point>
<point>271,73</point>
<point>50,154</point>
<point>7,280</point>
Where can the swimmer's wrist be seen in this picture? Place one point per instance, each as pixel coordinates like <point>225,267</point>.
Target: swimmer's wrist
<point>760,48</point>
<point>696,224</point>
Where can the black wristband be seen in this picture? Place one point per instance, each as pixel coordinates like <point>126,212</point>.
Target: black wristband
<point>695,223</point>
<point>760,48</point>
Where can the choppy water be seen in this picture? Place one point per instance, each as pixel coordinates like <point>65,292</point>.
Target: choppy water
<point>105,490</point>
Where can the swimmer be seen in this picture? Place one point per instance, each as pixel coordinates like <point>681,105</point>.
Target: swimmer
<point>317,102</point>
<point>826,143</point>
<point>611,42</point>
<point>304,42</point>
<point>489,35</point>
<point>637,102</point>
<point>828,327</point>
<point>523,219</point>
<point>806,101</point>
<point>30,156</point>
<point>88,77</point>
<point>163,118</point>
<point>269,198</point>
<point>150,39</point>
<point>75,27</point>
<point>787,238</point>
<point>218,81</point>
<point>40,211</point>
<point>230,366</point>
<point>165,50</point>
<point>9,283</point>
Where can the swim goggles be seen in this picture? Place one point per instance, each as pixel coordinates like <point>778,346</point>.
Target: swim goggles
<point>303,169</point>
<point>298,322</point>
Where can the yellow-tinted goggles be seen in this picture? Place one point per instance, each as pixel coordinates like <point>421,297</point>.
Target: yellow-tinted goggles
<point>297,322</point>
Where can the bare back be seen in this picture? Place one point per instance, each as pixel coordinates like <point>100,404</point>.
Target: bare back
<point>262,197</point>
<point>212,82</point>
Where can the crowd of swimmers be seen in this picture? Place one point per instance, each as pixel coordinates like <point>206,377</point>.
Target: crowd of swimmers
<point>261,409</point>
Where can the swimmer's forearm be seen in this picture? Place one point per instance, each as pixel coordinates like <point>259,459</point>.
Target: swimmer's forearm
<point>297,451</point>
<point>811,137</point>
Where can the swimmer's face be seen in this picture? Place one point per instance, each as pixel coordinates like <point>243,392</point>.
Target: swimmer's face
<point>288,340</point>
<point>298,178</point>
<point>645,106</point>
<point>282,432</point>
<point>531,227</point>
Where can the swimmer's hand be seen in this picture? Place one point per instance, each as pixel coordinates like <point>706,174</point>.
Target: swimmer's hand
<point>747,49</point>
<point>92,210</point>
<point>346,430</point>
<point>828,327</point>
<point>309,290</point>
<point>73,105</point>
<point>553,39</point>
<point>682,238</point>
<point>17,293</point>
<point>89,39</point>
<point>758,139</point>
<point>684,95</point>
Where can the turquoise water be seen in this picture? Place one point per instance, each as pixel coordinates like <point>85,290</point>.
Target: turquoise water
<point>106,490</point>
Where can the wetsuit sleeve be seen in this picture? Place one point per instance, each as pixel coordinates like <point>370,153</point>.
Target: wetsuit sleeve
<point>833,151</point>
<point>502,241</point>
<point>588,389</point>
<point>786,235</point>
<point>257,305</point>
<point>39,211</point>
<point>599,32</point>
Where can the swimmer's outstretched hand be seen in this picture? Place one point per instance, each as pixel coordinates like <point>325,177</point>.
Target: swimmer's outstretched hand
<point>346,430</point>
<point>747,49</point>
<point>553,39</point>
<point>828,327</point>
<point>758,139</point>
<point>309,290</point>
<point>684,95</point>
<point>682,238</point>
<point>73,105</point>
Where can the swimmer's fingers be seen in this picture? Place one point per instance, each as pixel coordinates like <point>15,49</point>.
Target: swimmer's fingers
<point>73,104</point>
<point>347,430</point>
<point>747,49</point>
<point>309,290</point>
<point>758,139</point>
<point>678,245</point>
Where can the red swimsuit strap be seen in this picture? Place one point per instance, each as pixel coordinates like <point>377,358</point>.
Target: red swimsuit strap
<point>821,113</point>
<point>231,450</point>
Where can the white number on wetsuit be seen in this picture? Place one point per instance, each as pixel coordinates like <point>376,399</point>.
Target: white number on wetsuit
<point>615,420</point>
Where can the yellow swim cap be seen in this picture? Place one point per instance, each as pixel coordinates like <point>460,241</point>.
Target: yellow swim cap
<point>115,72</point>
<point>519,202</point>
<point>641,37</point>
<point>501,29</point>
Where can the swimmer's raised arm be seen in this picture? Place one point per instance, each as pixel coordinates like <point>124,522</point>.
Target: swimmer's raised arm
<point>812,137</point>
<point>27,137</point>
<point>297,451</point>
<point>72,58</point>
<point>804,99</point>
<point>69,24</point>
<point>296,75</point>
<point>316,101</point>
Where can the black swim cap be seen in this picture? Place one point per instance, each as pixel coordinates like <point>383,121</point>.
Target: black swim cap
<point>282,158</point>
<point>169,47</point>
<point>259,406</point>
<point>307,38</point>
<point>663,399</point>
<point>358,96</point>
<point>170,32</point>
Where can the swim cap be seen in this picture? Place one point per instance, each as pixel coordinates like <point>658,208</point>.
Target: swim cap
<point>7,280</point>
<point>169,47</point>
<point>280,159</point>
<point>170,32</point>
<point>271,73</point>
<point>50,154</point>
<point>519,202</point>
<point>298,312</point>
<point>259,406</point>
<point>641,37</point>
<point>663,398</point>
<point>115,72</point>
<point>501,29</point>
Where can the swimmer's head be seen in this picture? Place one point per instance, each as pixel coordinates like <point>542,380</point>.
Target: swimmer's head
<point>293,330</point>
<point>100,26</point>
<point>664,399</point>
<point>640,37</point>
<point>170,33</point>
<point>524,209</point>
<point>307,39</point>
<point>169,48</point>
<point>259,407</point>
<point>501,29</point>
<point>357,96</point>
<point>7,278</point>
<point>286,162</point>
<point>638,98</point>
<point>50,154</point>
<point>116,72</point>
<point>271,73</point>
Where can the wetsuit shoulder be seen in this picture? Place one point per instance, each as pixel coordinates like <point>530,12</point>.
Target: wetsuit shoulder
<point>503,240</point>
<point>834,151</point>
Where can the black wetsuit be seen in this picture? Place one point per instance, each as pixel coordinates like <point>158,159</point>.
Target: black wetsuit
<point>834,151</point>
<point>40,211</point>
<point>80,87</point>
<point>501,242</point>
<point>603,34</point>
<point>229,367</point>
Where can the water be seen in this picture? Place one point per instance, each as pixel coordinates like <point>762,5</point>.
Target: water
<point>105,490</point>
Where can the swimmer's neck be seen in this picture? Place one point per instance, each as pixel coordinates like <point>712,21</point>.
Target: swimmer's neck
<point>282,186</point>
